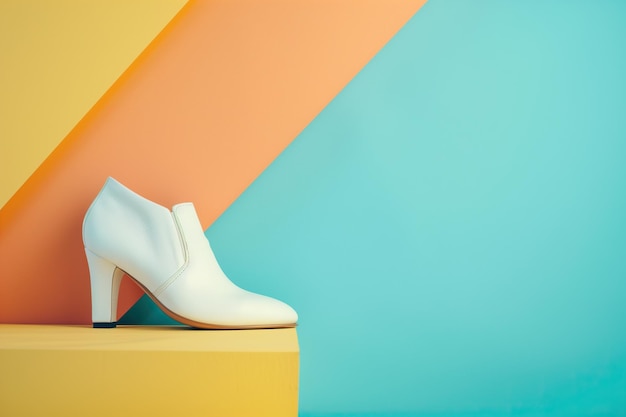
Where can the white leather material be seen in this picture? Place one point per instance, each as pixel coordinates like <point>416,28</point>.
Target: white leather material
<point>168,253</point>
<point>134,233</point>
<point>202,290</point>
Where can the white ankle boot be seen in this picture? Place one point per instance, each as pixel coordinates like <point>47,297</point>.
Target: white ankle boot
<point>167,254</point>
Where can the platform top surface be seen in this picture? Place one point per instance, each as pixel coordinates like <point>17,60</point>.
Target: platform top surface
<point>138,338</point>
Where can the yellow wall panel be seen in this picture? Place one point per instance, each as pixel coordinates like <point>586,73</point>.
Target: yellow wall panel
<point>57,58</point>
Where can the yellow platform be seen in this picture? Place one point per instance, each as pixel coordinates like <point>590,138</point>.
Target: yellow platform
<point>147,371</point>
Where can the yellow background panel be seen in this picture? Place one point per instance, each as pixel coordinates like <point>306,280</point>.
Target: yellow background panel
<point>57,58</point>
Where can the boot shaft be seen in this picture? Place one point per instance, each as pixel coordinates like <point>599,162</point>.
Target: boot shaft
<point>138,235</point>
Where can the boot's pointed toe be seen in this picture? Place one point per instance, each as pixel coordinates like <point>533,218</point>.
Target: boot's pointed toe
<point>167,254</point>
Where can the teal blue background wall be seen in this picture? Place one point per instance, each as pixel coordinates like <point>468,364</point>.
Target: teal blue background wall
<point>452,227</point>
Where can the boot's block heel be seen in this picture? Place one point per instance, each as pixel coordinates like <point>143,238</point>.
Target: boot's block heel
<point>105,285</point>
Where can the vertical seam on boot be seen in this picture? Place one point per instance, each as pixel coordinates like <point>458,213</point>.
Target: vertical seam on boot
<point>178,273</point>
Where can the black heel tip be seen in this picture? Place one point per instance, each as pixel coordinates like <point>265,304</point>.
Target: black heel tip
<point>104,325</point>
